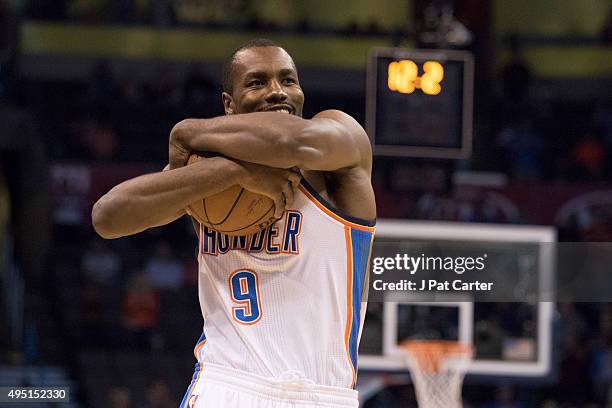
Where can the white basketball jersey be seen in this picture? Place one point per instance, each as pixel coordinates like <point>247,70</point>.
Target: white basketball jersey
<point>288,298</point>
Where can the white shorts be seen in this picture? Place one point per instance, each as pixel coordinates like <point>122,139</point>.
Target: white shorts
<point>214,386</point>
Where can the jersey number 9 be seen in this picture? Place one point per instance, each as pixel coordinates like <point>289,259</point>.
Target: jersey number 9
<point>244,289</point>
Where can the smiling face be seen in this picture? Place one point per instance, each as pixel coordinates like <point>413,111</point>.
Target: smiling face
<point>264,79</point>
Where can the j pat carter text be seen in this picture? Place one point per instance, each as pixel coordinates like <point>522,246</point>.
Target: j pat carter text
<point>413,264</point>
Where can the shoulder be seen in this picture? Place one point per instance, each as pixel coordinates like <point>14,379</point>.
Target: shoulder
<point>354,130</point>
<point>342,119</point>
<point>350,187</point>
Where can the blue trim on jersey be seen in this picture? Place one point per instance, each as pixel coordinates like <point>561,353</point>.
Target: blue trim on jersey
<point>201,339</point>
<point>191,385</point>
<point>361,241</point>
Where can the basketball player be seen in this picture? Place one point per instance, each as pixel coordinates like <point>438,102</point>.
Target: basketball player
<point>282,308</point>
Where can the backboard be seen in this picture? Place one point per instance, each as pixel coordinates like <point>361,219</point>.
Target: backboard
<point>510,339</point>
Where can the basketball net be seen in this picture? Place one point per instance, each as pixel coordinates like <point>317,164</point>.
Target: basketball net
<point>437,368</point>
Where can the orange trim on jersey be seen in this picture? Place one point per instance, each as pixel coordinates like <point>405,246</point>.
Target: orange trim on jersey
<point>349,299</point>
<point>246,303</point>
<point>198,347</point>
<point>333,214</point>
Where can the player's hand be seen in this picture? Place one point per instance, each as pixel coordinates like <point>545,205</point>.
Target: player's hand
<point>278,184</point>
<point>178,153</point>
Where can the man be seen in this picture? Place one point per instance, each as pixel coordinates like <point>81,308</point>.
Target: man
<point>282,308</point>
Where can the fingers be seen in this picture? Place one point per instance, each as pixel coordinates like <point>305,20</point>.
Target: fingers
<point>279,205</point>
<point>177,156</point>
<point>289,195</point>
<point>277,184</point>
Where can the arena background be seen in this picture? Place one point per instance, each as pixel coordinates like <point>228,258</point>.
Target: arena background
<point>89,91</point>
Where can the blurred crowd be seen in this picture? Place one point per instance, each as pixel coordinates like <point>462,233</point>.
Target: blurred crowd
<point>158,395</point>
<point>214,14</point>
<point>126,312</point>
<point>112,118</point>
<point>553,140</point>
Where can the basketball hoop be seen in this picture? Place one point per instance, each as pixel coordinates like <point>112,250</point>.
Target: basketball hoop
<point>437,368</point>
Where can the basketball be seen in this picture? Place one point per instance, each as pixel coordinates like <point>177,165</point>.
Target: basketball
<point>234,211</point>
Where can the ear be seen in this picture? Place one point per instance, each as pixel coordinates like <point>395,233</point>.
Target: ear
<point>228,103</point>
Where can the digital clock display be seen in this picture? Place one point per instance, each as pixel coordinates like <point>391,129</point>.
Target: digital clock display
<point>403,77</point>
<point>420,103</point>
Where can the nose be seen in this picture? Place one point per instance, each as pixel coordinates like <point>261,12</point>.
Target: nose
<point>276,92</point>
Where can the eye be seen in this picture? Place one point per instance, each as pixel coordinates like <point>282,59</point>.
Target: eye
<point>289,81</point>
<point>255,82</point>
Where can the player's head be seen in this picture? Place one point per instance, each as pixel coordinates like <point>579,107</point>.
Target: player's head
<point>259,76</point>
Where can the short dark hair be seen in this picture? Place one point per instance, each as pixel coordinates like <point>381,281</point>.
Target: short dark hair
<point>228,65</point>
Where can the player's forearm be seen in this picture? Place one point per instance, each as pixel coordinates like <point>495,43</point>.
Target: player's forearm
<point>268,138</point>
<point>158,198</point>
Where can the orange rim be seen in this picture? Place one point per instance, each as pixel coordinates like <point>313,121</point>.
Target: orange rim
<point>430,354</point>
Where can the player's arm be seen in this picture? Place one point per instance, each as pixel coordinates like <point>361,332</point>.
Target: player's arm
<point>159,198</point>
<point>329,141</point>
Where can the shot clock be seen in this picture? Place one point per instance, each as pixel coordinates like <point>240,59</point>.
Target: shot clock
<point>403,76</point>
<point>419,103</point>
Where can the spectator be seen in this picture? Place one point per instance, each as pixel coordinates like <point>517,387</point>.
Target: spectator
<point>162,14</point>
<point>125,11</point>
<point>167,90</point>
<point>588,157</point>
<point>9,46</point>
<point>100,264</point>
<point>504,398</point>
<point>605,325</point>
<point>522,146</point>
<point>550,403</point>
<point>164,270</point>
<point>601,369</point>
<point>5,214</point>
<point>140,310</point>
<point>92,323</point>
<point>100,140</point>
<point>575,383</point>
<point>516,79</point>
<point>191,271</point>
<point>602,119</point>
<point>516,75</point>
<point>199,92</point>
<point>102,87</point>
<point>119,397</point>
<point>158,395</point>
<point>606,29</point>
<point>131,93</point>
<point>46,10</point>
<point>24,163</point>
<point>573,325</point>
